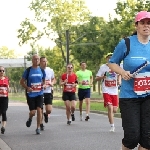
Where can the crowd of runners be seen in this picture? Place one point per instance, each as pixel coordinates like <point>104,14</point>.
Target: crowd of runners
<point>131,77</point>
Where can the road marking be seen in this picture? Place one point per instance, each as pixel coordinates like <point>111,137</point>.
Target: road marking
<point>3,145</point>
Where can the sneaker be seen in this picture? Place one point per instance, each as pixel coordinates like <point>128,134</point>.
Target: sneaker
<point>45,118</point>
<point>37,131</point>
<point>68,122</point>
<point>87,118</point>
<point>81,117</point>
<point>112,129</point>
<point>2,130</point>
<point>28,123</point>
<point>73,117</point>
<point>42,127</point>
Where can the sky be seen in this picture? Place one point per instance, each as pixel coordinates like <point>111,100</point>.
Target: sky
<point>12,12</point>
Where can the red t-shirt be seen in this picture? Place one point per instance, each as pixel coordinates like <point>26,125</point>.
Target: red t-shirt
<point>4,83</point>
<point>72,79</point>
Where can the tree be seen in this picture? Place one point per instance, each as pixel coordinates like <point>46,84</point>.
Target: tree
<point>55,16</point>
<point>123,25</point>
<point>6,53</point>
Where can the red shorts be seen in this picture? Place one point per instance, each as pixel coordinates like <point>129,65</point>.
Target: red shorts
<point>110,100</point>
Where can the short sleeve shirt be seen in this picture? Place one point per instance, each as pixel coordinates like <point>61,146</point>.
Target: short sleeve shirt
<point>49,76</point>
<point>109,84</point>
<point>138,54</point>
<point>35,79</point>
<point>72,78</point>
<point>84,78</point>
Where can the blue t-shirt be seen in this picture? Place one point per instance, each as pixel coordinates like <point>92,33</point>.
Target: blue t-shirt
<point>35,79</point>
<point>138,54</point>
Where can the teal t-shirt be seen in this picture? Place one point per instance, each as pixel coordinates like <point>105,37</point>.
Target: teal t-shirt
<point>84,78</point>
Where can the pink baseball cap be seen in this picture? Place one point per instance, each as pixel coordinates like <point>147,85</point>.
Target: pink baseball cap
<point>142,15</point>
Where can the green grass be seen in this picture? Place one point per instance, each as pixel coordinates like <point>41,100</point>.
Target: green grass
<point>17,97</point>
<point>95,105</point>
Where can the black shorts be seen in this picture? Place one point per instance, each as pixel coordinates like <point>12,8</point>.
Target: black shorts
<point>3,104</point>
<point>48,98</point>
<point>35,102</point>
<point>135,113</point>
<point>69,96</point>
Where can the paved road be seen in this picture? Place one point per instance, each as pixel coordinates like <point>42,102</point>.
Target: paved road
<point>80,135</point>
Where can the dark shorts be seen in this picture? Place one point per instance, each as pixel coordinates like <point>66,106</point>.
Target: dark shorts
<point>135,113</point>
<point>48,98</point>
<point>69,96</point>
<point>35,102</point>
<point>3,104</point>
<point>84,93</point>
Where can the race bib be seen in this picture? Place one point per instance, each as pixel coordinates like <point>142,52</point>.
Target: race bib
<point>3,92</point>
<point>69,87</point>
<point>110,83</point>
<point>85,82</point>
<point>142,84</point>
<point>36,87</point>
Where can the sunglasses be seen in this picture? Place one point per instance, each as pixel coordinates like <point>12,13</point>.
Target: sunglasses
<point>70,67</point>
<point>2,70</point>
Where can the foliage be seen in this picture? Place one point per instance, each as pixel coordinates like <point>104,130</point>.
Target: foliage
<point>55,17</point>
<point>6,53</point>
<point>90,37</point>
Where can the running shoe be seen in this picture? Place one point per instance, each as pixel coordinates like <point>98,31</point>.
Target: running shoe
<point>28,123</point>
<point>81,117</point>
<point>45,118</point>
<point>37,131</point>
<point>73,117</point>
<point>68,122</point>
<point>2,130</point>
<point>112,129</point>
<point>87,118</point>
<point>42,127</point>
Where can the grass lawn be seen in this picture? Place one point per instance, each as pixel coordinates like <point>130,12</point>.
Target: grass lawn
<point>97,106</point>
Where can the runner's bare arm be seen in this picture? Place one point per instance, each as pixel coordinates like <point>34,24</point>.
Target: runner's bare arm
<point>91,80</point>
<point>116,68</point>
<point>98,78</point>
<point>23,84</point>
<point>63,82</point>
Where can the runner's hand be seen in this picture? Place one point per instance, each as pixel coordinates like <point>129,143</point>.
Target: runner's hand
<point>126,75</point>
<point>91,84</point>
<point>65,81</point>
<point>44,86</point>
<point>51,85</point>
<point>29,89</point>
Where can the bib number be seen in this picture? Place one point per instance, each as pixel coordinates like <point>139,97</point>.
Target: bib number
<point>68,87</point>
<point>142,85</point>
<point>110,83</point>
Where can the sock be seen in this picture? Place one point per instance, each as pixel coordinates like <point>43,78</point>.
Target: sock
<point>69,119</point>
<point>112,125</point>
<point>87,115</point>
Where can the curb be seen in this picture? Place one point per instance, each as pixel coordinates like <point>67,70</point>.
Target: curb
<point>117,115</point>
<point>3,145</point>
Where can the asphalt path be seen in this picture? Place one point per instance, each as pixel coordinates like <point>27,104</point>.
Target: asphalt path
<point>80,135</point>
